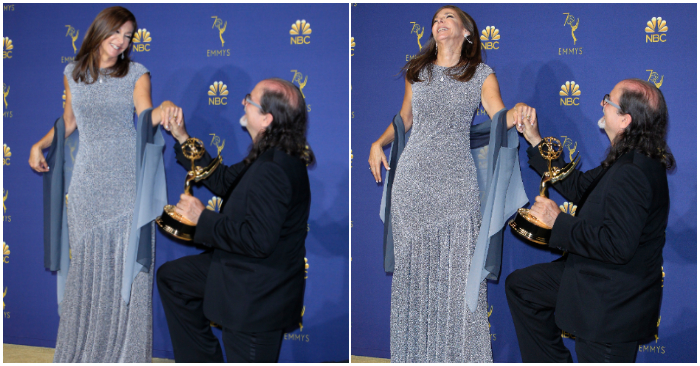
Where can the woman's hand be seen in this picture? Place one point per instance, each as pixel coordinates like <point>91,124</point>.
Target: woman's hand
<point>376,159</point>
<point>169,113</point>
<point>173,120</point>
<point>526,123</point>
<point>37,161</point>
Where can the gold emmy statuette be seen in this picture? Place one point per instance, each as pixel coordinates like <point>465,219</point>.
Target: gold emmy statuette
<point>172,222</point>
<point>527,225</point>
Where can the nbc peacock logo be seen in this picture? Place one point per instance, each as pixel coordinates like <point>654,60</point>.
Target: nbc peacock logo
<point>141,41</point>
<point>214,204</point>
<point>64,98</point>
<point>6,154</point>
<point>490,37</point>
<point>568,208</point>
<point>218,93</point>
<point>297,78</point>
<point>300,32</point>
<point>352,46</point>
<point>656,30</point>
<point>570,92</point>
<point>654,78</point>
<point>7,48</point>
<point>5,253</point>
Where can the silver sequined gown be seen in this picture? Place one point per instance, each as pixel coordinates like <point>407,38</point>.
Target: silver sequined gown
<point>96,325</point>
<point>436,220</point>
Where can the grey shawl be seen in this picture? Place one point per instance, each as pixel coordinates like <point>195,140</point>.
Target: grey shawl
<point>494,149</point>
<point>150,198</point>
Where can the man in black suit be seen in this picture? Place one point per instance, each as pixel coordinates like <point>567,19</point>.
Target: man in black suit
<point>250,280</point>
<point>606,290</point>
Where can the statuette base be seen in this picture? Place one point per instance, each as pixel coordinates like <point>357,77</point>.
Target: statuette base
<point>529,227</point>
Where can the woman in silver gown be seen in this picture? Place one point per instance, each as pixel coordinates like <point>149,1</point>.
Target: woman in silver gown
<point>103,87</point>
<point>435,199</point>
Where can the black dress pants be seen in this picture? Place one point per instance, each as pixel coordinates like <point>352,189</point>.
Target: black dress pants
<point>181,287</point>
<point>532,298</point>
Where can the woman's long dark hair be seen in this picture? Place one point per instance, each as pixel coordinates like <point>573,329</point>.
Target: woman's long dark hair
<point>646,133</point>
<point>469,57</point>
<point>87,61</point>
<point>287,131</point>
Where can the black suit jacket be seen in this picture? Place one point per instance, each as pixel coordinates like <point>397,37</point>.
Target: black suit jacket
<point>256,278</point>
<point>611,287</point>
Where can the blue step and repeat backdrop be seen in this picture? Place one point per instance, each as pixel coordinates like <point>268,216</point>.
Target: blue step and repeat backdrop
<point>205,58</point>
<point>560,59</point>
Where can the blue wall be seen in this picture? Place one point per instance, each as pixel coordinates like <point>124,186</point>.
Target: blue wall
<point>534,57</point>
<point>185,56</point>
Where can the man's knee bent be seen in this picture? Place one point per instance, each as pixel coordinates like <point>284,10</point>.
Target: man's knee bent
<point>165,273</point>
<point>513,281</point>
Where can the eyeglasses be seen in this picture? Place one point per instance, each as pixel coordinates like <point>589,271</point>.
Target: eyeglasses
<point>247,100</point>
<point>606,100</point>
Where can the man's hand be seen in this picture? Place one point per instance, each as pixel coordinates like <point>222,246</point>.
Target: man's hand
<point>545,210</point>
<point>189,207</point>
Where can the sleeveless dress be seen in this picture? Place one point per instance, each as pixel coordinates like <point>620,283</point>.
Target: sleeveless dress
<point>436,220</point>
<point>96,325</point>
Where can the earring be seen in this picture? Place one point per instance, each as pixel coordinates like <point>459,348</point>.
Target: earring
<point>467,38</point>
<point>122,55</point>
<point>436,49</point>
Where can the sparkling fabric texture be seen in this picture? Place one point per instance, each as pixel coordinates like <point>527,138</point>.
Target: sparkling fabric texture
<point>436,220</point>
<point>96,324</point>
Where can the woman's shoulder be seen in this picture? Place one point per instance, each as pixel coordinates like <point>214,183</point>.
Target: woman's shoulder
<point>484,68</point>
<point>137,69</point>
<point>68,70</point>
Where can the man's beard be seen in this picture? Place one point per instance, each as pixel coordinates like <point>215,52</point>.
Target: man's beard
<point>601,123</point>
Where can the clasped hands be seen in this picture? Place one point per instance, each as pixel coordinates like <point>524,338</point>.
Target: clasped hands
<point>173,121</point>
<point>525,117</point>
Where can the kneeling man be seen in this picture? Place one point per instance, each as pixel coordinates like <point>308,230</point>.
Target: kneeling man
<point>251,279</point>
<point>606,290</point>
